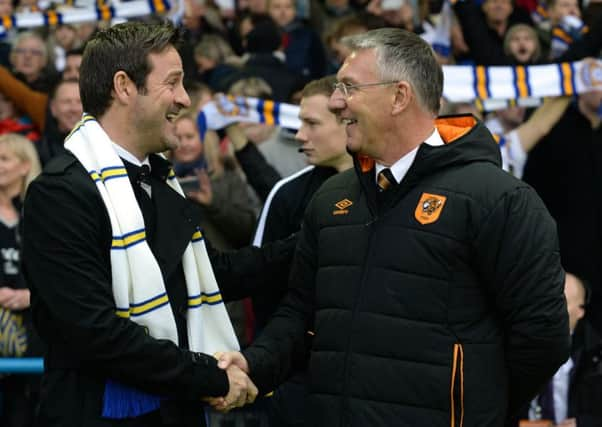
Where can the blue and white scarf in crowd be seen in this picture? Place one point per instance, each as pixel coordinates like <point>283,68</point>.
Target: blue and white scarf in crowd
<point>569,29</point>
<point>495,87</point>
<point>138,287</point>
<point>466,83</point>
<point>225,110</point>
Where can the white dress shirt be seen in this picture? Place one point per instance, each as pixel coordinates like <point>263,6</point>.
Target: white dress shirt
<point>400,168</point>
<point>126,155</point>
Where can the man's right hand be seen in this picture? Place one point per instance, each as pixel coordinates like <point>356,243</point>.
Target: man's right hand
<point>241,388</point>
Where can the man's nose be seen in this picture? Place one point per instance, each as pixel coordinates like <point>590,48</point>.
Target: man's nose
<point>299,136</point>
<point>336,102</point>
<point>183,98</point>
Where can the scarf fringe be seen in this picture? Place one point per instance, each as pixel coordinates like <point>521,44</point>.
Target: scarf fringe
<point>121,401</point>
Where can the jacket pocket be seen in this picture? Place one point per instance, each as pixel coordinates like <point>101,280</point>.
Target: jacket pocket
<point>457,387</point>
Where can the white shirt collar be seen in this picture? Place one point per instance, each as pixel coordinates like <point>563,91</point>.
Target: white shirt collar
<point>126,155</point>
<point>401,166</point>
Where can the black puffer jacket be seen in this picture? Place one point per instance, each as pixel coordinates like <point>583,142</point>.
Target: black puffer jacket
<point>441,305</point>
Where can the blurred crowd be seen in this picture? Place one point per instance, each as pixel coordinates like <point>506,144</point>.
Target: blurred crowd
<point>270,49</point>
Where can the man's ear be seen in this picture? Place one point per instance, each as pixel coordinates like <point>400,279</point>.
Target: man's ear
<point>123,87</point>
<point>402,98</point>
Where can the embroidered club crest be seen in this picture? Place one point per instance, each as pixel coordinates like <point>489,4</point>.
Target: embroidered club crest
<point>429,208</point>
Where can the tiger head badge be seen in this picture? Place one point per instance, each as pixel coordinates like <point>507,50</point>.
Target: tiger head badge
<point>429,208</point>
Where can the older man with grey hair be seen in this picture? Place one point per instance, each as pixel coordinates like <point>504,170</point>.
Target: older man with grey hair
<point>428,277</point>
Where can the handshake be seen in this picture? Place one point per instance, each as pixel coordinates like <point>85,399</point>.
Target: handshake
<point>242,390</point>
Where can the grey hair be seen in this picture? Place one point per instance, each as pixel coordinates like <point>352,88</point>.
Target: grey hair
<point>401,55</point>
<point>31,35</point>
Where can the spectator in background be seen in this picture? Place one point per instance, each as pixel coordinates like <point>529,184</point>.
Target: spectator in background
<point>64,39</point>
<point>564,168</point>
<point>73,60</point>
<point>559,9</point>
<point>347,26</point>
<point>264,59</point>
<point>6,7</point>
<point>325,14</point>
<point>66,110</point>
<point>199,19</point>
<point>19,165</point>
<point>211,55</point>
<point>403,14</point>
<point>485,27</point>
<point>323,141</point>
<point>29,59</point>
<point>561,29</point>
<point>303,49</point>
<point>31,102</point>
<point>227,217</point>
<point>521,45</point>
<point>85,30</point>
<point>213,180</point>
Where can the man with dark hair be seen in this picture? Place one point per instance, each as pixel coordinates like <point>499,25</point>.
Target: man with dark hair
<point>429,277</point>
<point>322,140</point>
<point>123,292</point>
<point>73,60</point>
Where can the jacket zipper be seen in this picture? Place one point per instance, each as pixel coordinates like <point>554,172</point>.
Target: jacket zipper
<point>358,292</point>
<point>457,388</point>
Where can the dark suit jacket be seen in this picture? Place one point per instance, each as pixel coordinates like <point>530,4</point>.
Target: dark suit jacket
<point>66,253</point>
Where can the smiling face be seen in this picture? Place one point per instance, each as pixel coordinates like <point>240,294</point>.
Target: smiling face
<point>365,111</point>
<point>157,106</point>
<point>66,106</point>
<point>321,135</point>
<point>190,147</point>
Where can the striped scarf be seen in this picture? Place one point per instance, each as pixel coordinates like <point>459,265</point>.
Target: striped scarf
<point>138,287</point>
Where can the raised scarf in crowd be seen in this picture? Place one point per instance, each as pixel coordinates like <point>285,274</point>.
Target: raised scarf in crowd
<point>137,282</point>
<point>494,88</point>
